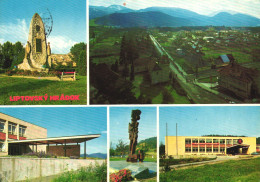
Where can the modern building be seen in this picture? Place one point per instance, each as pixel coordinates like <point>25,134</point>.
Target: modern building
<point>19,137</point>
<point>194,145</point>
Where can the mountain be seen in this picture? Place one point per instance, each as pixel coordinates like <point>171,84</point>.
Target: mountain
<point>142,19</point>
<point>149,142</point>
<point>116,15</point>
<point>238,19</point>
<point>99,11</point>
<point>96,155</point>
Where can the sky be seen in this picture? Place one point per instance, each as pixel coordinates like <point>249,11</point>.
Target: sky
<point>69,21</point>
<point>204,7</point>
<point>206,120</point>
<point>120,117</point>
<point>67,121</point>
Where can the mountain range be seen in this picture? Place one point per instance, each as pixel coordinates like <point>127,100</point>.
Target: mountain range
<point>116,15</point>
<point>96,155</point>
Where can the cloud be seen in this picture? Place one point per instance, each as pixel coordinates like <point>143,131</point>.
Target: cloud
<point>60,44</point>
<point>14,32</point>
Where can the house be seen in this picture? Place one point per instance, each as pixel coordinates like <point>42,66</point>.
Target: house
<point>160,74</point>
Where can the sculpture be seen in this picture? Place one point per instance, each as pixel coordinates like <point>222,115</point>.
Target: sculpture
<point>133,136</point>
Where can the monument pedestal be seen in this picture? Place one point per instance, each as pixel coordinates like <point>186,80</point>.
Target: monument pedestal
<point>132,158</point>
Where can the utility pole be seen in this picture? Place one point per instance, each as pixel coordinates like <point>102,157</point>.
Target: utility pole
<point>176,141</point>
<point>166,145</point>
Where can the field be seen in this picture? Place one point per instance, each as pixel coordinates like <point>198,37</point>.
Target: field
<point>236,170</point>
<point>11,86</point>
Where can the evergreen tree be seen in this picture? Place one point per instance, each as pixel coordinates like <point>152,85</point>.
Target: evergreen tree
<point>122,58</point>
<point>132,75</point>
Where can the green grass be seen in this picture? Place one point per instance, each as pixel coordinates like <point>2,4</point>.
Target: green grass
<point>230,171</point>
<point>11,86</point>
<point>92,23</point>
<point>91,173</point>
<point>208,80</point>
<point>184,161</point>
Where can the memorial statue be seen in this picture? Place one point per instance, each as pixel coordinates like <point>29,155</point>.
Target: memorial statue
<point>133,136</point>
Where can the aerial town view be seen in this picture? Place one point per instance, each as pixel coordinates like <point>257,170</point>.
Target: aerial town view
<point>174,53</point>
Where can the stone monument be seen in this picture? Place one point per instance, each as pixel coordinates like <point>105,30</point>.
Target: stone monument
<point>36,54</point>
<point>133,136</point>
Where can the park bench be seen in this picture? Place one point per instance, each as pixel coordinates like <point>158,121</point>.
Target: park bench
<point>68,75</point>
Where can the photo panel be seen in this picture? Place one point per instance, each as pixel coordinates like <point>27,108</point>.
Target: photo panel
<point>209,143</point>
<point>133,143</point>
<point>53,143</point>
<point>174,52</point>
<point>43,52</point>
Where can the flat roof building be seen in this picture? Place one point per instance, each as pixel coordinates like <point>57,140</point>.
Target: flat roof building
<point>19,137</point>
<point>207,145</point>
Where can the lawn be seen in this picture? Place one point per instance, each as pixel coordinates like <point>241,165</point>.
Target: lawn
<point>11,86</point>
<point>146,159</point>
<point>230,171</point>
<point>91,173</point>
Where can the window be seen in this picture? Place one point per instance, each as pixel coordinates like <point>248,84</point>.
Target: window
<point>2,125</point>
<point>208,140</point>
<point>235,141</point>
<point>215,149</point>
<point>187,141</point>
<point>195,140</point>
<point>222,141</point>
<point>38,45</point>
<point>202,149</point>
<point>11,128</point>
<point>202,140</point>
<point>2,147</point>
<point>38,28</point>
<point>22,131</point>
<point>222,149</point>
<point>209,149</point>
<point>229,141</point>
<point>187,149</point>
<point>194,149</point>
<point>215,141</point>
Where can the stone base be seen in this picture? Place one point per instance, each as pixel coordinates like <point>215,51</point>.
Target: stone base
<point>26,66</point>
<point>138,172</point>
<point>132,158</point>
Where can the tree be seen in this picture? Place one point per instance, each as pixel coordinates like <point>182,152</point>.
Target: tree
<point>132,75</point>
<point>76,49</point>
<point>82,63</point>
<point>122,58</point>
<point>18,54</point>
<point>7,51</point>
<point>161,149</point>
<point>121,147</point>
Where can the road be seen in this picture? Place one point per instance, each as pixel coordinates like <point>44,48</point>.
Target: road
<point>195,92</point>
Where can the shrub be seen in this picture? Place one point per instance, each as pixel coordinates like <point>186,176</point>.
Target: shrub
<point>40,154</point>
<point>122,175</point>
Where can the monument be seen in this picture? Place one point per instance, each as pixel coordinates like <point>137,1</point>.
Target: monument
<point>36,51</point>
<point>133,136</point>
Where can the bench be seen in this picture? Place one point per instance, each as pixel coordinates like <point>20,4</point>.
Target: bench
<point>68,75</point>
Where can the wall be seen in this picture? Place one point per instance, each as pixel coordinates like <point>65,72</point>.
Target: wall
<point>71,150</point>
<point>15,169</point>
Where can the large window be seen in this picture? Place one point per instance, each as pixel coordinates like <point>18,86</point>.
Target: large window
<point>215,141</point>
<point>2,125</point>
<point>195,140</point>
<point>208,140</point>
<point>22,131</point>
<point>222,141</point>
<point>215,149</point>
<point>2,147</point>
<point>187,149</point>
<point>187,141</point>
<point>229,141</point>
<point>209,149</point>
<point>222,149</point>
<point>38,28</point>
<point>202,149</point>
<point>194,149</point>
<point>235,141</point>
<point>11,128</point>
<point>202,140</point>
<point>38,45</point>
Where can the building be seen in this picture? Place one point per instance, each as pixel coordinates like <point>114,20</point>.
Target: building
<point>18,137</point>
<point>240,80</point>
<point>194,145</point>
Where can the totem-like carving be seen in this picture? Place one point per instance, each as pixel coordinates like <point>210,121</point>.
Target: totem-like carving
<point>133,136</point>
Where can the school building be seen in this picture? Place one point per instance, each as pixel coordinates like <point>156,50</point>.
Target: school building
<point>18,137</point>
<point>194,145</point>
